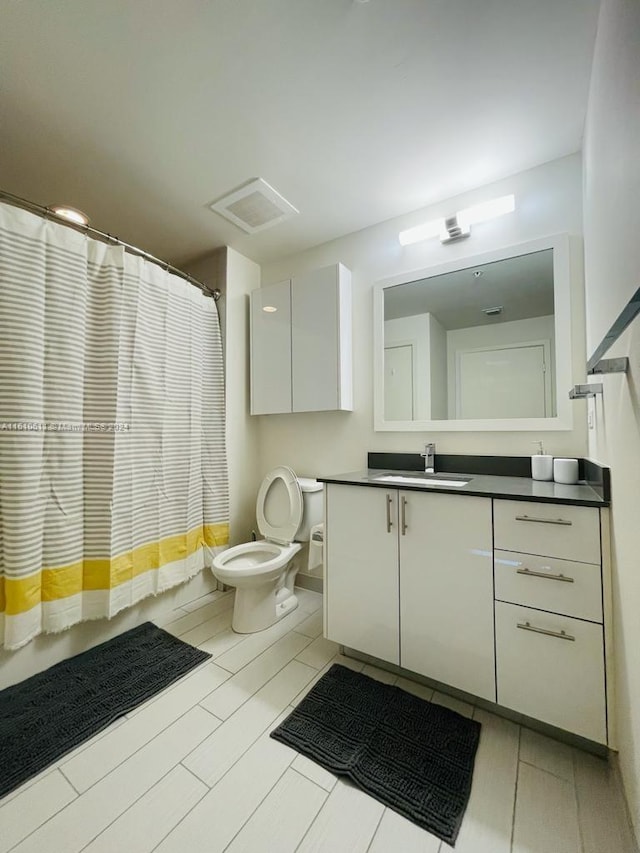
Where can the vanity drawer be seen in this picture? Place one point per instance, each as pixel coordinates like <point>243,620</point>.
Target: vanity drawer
<point>557,530</point>
<point>556,679</point>
<point>548,583</point>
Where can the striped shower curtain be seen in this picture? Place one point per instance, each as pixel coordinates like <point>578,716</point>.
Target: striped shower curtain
<point>113,479</point>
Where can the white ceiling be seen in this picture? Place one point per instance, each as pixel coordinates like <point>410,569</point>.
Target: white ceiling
<point>522,286</point>
<point>142,112</point>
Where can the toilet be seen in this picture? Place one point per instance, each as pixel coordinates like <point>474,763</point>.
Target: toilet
<point>263,572</point>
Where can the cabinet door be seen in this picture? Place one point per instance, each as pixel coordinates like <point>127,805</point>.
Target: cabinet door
<point>361,569</point>
<point>551,667</point>
<point>321,339</point>
<point>271,349</point>
<point>446,590</point>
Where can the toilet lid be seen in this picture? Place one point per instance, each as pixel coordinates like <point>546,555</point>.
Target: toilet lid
<point>279,506</point>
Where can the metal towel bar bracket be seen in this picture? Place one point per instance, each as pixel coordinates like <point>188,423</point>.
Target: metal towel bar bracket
<point>611,365</point>
<point>581,392</point>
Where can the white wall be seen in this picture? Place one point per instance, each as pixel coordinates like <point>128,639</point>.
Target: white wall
<point>438,368</point>
<point>500,334</point>
<point>243,276</point>
<point>548,201</point>
<point>414,330</point>
<point>612,267</point>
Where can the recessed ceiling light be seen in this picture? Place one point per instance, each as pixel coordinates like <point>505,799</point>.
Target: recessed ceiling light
<point>269,308</point>
<point>70,213</point>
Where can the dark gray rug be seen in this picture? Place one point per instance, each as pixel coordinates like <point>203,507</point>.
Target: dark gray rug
<point>49,714</point>
<point>413,756</point>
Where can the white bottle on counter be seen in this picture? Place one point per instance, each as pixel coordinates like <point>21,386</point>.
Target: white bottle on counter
<point>541,464</point>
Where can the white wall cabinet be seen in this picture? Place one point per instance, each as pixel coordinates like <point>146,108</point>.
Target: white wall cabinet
<point>418,578</point>
<point>409,583</point>
<point>271,349</point>
<point>301,351</point>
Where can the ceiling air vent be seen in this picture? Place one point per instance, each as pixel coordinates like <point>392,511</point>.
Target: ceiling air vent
<point>254,206</point>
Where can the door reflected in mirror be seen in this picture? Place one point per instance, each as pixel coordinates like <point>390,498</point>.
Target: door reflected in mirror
<point>472,344</point>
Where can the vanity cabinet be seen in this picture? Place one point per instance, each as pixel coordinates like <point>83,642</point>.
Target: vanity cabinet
<point>550,649</point>
<point>301,343</point>
<point>409,581</point>
<point>502,599</point>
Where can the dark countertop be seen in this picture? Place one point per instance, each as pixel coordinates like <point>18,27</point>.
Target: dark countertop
<point>483,485</point>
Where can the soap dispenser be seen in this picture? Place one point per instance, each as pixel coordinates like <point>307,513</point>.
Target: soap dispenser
<point>541,464</point>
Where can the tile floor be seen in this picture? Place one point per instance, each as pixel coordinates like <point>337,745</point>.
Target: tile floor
<point>194,770</point>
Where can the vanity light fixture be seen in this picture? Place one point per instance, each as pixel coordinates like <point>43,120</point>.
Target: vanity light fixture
<point>433,228</point>
<point>70,213</point>
<point>269,308</point>
<point>458,226</point>
<point>487,210</point>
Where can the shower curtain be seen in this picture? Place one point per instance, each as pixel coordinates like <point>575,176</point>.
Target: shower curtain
<point>113,478</point>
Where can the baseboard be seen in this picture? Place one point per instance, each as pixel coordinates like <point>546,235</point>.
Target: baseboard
<point>309,582</point>
<point>632,840</point>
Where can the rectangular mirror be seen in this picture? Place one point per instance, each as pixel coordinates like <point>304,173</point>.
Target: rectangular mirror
<point>478,344</point>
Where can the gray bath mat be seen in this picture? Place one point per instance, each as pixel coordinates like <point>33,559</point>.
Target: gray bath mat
<point>49,714</point>
<point>413,756</point>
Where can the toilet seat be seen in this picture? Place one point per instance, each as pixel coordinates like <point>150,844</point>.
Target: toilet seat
<point>278,510</point>
<point>260,559</point>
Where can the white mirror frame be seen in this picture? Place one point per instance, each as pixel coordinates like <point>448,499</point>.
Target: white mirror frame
<point>562,311</point>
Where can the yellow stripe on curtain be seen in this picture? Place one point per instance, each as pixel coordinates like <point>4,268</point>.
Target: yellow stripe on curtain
<point>21,594</point>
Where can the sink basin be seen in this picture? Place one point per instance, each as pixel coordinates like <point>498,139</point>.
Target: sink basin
<point>420,479</point>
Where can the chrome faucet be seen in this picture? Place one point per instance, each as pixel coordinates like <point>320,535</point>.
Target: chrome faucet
<point>429,458</point>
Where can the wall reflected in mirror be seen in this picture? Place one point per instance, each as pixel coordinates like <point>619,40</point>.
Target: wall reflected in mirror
<point>477,343</point>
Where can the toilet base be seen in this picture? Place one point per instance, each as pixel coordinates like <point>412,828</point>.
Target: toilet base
<point>257,609</point>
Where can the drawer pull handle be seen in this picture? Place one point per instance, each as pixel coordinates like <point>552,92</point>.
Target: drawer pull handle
<point>533,574</point>
<point>561,635</point>
<point>403,505</point>
<point>389,522</point>
<point>544,520</point>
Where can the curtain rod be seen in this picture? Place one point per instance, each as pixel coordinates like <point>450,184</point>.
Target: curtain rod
<point>107,238</point>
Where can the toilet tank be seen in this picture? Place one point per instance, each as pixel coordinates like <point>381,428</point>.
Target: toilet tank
<point>313,506</point>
